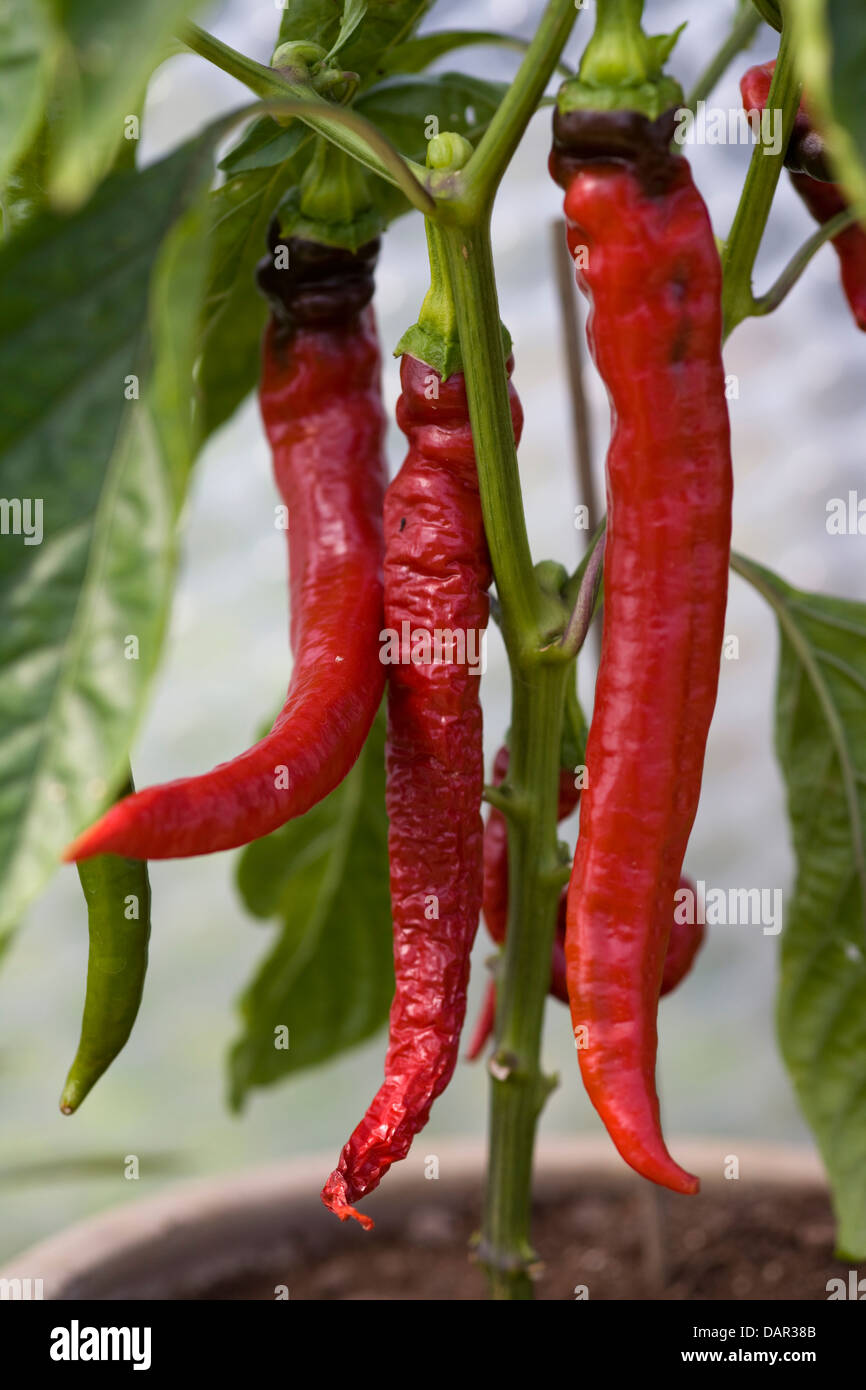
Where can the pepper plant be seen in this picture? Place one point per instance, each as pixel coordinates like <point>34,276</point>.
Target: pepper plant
<point>163,282</point>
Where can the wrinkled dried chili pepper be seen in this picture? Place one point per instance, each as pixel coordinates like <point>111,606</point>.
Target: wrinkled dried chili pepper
<point>322,409</point>
<point>810,176</point>
<point>437,572</point>
<point>646,258</point>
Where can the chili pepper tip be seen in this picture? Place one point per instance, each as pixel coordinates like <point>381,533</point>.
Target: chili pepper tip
<point>334,1198</point>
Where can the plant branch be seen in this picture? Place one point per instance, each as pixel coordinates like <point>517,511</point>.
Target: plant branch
<point>518,1088</point>
<point>741,249</point>
<point>470,268</point>
<point>743,30</point>
<point>766,303</point>
<point>347,129</point>
<point>493,155</point>
<point>578,624</point>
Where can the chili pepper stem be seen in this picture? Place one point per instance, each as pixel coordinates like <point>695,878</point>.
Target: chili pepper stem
<point>741,249</point>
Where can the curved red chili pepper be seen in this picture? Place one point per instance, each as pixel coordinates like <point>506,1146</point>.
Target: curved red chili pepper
<point>824,199</point>
<point>649,264</point>
<point>685,938</point>
<point>322,408</point>
<point>437,572</point>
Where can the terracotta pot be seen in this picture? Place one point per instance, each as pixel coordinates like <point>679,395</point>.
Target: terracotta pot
<point>196,1236</point>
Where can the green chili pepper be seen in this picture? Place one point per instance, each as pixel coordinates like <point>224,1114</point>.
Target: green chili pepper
<point>117,892</point>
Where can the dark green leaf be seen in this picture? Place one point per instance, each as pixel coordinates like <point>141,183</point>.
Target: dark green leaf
<point>402,108</point>
<point>27,52</point>
<point>110,51</point>
<point>821,746</point>
<point>418,53</point>
<point>234,311</point>
<point>265,144</point>
<point>89,304</point>
<point>329,978</point>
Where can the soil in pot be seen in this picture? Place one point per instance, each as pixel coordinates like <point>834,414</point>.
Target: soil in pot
<point>770,1243</point>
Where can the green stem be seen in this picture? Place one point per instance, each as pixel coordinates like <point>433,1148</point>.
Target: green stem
<point>518,1086</point>
<point>493,155</point>
<point>766,303</point>
<point>261,80</point>
<point>741,249</point>
<point>743,30</point>
<point>346,129</point>
<point>470,268</point>
<point>539,681</point>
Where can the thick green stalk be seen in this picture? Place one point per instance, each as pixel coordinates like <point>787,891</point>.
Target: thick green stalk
<point>518,1086</point>
<point>538,686</point>
<point>470,267</point>
<point>493,155</point>
<point>743,30</point>
<point>741,249</point>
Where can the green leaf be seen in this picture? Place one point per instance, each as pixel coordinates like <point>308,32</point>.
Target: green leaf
<point>830,42</point>
<point>27,52</point>
<point>353,13</point>
<point>418,53</point>
<point>401,108</point>
<point>234,312</point>
<point>110,52</point>
<point>329,978</point>
<point>386,23</point>
<point>88,306</point>
<point>264,144</point>
<point>821,746</point>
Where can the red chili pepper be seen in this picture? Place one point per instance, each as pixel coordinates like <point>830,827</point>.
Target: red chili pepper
<point>823,198</point>
<point>322,408</point>
<point>648,262</point>
<point>495,898</point>
<point>495,904</point>
<point>437,572</point>
<point>685,941</point>
<point>683,945</point>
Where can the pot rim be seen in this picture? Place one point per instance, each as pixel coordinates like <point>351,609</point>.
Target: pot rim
<point>212,1211</point>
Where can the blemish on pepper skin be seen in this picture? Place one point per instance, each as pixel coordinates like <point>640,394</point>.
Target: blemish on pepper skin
<point>465,252</point>
<point>402,522</point>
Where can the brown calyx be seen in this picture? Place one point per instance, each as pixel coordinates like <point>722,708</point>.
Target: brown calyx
<point>320,286</point>
<point>587,137</point>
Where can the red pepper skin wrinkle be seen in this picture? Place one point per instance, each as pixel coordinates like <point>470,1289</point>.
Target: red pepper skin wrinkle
<point>654,283</point>
<point>437,573</point>
<point>824,200</point>
<point>321,403</point>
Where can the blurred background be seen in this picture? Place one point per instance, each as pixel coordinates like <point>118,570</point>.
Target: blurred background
<point>798,427</point>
